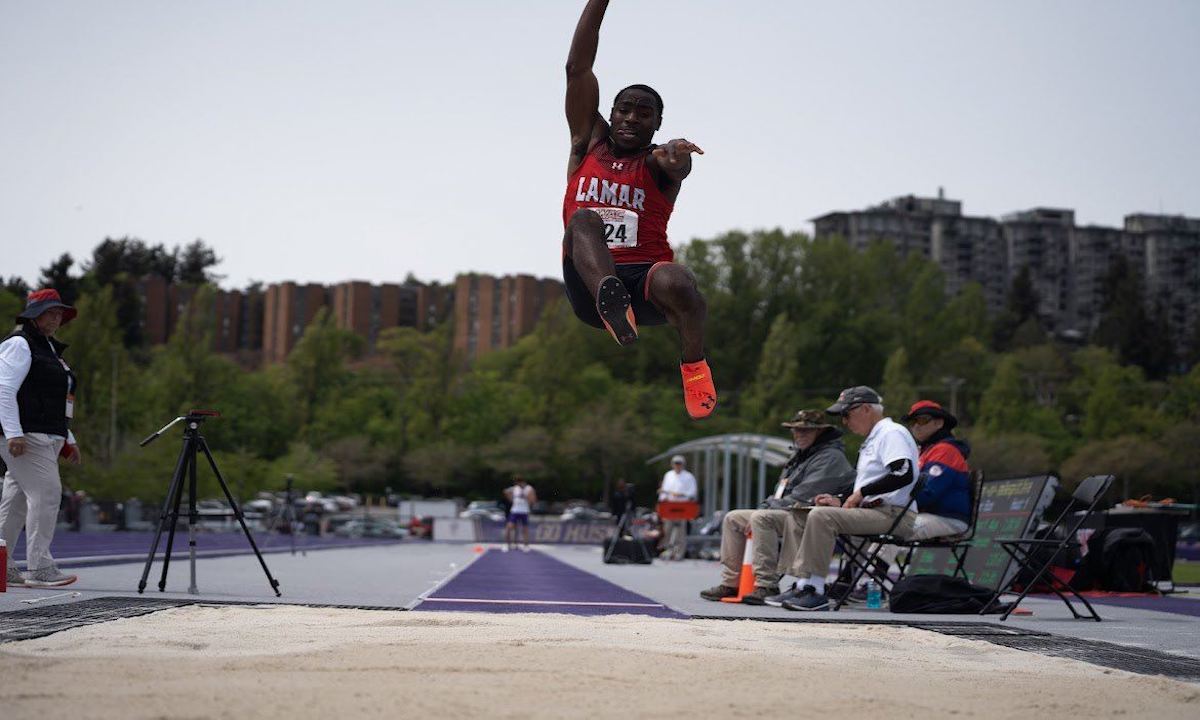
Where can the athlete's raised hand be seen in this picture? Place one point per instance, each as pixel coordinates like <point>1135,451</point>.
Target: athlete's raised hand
<point>676,155</point>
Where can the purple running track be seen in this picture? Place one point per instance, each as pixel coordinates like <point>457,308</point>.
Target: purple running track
<point>1167,604</point>
<point>530,582</point>
<point>81,549</point>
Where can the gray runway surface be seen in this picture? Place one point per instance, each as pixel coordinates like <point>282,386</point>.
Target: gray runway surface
<point>397,575</point>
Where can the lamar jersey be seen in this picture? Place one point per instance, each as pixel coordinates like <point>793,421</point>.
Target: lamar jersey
<point>622,191</point>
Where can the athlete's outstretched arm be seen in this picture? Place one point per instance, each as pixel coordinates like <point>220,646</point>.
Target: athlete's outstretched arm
<point>583,89</point>
<point>674,158</point>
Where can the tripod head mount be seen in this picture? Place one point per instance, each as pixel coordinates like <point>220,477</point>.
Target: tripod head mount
<point>193,420</point>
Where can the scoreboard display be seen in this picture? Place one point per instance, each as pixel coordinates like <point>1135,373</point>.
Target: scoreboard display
<point>1009,508</point>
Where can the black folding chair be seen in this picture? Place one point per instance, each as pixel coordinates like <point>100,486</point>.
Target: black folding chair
<point>1023,550</point>
<point>958,545</point>
<point>857,550</point>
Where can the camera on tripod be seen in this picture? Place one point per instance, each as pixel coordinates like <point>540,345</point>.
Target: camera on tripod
<point>185,468</point>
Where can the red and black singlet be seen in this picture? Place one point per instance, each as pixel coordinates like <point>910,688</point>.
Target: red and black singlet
<point>623,192</point>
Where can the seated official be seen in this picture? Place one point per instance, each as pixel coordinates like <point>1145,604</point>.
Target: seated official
<point>944,502</point>
<point>883,484</point>
<point>818,466</point>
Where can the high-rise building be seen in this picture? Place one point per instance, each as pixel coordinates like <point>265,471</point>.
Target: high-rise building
<point>369,309</point>
<point>288,308</point>
<point>1172,264</point>
<point>968,249</point>
<point>1067,264</point>
<point>492,313</point>
<point>1038,241</point>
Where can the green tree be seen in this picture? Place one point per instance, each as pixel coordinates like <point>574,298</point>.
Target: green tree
<point>104,374</point>
<point>317,364</point>
<point>1125,327</point>
<point>779,383</point>
<point>58,276</point>
<point>601,452</point>
<point>899,391</point>
<point>1020,310</point>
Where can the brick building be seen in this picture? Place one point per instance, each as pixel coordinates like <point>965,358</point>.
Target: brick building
<point>492,313</point>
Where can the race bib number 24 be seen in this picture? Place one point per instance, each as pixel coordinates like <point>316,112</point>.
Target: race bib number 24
<point>620,226</point>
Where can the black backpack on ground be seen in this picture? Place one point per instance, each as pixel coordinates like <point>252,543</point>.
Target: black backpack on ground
<point>1121,559</point>
<point>626,552</point>
<point>939,594</point>
<point>1069,558</point>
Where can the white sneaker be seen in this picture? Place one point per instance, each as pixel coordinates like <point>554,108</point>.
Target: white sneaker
<point>48,577</point>
<point>14,578</point>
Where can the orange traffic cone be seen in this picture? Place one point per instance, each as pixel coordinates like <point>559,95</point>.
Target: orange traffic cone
<point>746,580</point>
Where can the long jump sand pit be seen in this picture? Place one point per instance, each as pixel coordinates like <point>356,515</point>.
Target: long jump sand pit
<point>287,661</point>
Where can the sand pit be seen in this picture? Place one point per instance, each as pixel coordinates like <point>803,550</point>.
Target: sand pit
<point>280,661</point>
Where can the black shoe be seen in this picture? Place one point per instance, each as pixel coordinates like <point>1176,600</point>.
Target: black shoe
<point>615,308</point>
<point>808,599</point>
<point>716,593</point>
<point>759,595</point>
<point>777,600</point>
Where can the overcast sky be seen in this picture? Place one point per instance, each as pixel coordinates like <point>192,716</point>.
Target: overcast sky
<point>367,139</point>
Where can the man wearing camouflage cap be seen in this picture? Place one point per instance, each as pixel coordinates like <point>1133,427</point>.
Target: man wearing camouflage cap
<point>818,467</point>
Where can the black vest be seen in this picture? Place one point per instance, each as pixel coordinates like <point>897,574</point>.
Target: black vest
<point>42,398</point>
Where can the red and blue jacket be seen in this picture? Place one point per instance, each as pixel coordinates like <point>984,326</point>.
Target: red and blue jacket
<point>947,488</point>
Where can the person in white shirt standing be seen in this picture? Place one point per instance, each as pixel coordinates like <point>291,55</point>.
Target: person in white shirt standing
<point>37,401</point>
<point>678,485</point>
<point>521,498</point>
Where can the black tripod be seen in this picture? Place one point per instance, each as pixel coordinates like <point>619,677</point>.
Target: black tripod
<point>625,530</point>
<point>186,466</point>
<point>289,516</point>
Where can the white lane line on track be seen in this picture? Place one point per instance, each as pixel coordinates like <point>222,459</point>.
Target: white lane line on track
<point>544,602</point>
<point>424,597</point>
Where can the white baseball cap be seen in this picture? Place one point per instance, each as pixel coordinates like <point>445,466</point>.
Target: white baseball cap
<point>678,459</point>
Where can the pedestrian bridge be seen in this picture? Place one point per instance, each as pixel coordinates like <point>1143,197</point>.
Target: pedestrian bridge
<point>731,469</point>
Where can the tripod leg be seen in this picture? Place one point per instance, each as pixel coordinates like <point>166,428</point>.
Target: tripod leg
<point>189,455</point>
<point>238,514</point>
<point>192,519</point>
<point>176,480</point>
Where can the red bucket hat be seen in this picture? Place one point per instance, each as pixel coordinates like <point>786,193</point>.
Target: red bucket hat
<point>39,301</point>
<point>931,409</point>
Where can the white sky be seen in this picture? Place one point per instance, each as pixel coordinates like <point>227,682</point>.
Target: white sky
<point>366,139</point>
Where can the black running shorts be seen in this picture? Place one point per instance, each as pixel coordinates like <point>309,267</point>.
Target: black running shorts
<point>635,277</point>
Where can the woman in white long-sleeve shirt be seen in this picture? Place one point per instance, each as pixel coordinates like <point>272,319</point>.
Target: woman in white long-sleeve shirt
<point>37,401</point>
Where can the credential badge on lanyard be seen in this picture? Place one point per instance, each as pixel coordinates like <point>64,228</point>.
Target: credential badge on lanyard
<point>70,409</point>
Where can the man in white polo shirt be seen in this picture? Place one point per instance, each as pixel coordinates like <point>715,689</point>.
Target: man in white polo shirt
<point>883,483</point>
<point>678,485</point>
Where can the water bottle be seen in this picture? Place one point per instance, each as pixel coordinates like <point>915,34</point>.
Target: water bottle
<point>874,596</point>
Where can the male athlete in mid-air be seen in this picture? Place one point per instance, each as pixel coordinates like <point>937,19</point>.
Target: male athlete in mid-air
<point>621,188</point>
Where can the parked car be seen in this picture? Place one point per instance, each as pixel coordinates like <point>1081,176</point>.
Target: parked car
<point>371,528</point>
<point>421,526</point>
<point>584,513</point>
<point>484,509</point>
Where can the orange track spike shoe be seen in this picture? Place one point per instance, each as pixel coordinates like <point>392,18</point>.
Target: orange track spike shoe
<point>616,310</point>
<point>699,393</point>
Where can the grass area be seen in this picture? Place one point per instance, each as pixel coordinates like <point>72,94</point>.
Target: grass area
<point>1186,573</point>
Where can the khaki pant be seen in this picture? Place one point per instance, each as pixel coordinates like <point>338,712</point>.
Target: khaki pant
<point>927,526</point>
<point>819,527</point>
<point>769,562</point>
<point>32,494</point>
<point>676,538</point>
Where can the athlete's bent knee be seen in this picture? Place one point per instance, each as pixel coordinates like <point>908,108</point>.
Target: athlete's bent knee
<point>583,218</point>
<point>676,285</point>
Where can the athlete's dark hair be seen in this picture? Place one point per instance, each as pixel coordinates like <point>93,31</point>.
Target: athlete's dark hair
<point>643,88</point>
